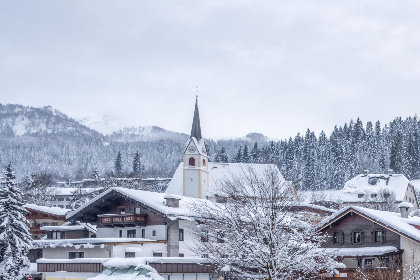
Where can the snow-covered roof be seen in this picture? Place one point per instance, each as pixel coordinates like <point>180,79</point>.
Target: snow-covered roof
<point>70,191</point>
<point>46,209</point>
<point>361,251</point>
<point>219,172</point>
<point>363,188</point>
<point>86,242</point>
<point>69,227</point>
<point>153,200</point>
<point>390,220</point>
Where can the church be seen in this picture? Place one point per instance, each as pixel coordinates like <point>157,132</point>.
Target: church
<point>197,177</point>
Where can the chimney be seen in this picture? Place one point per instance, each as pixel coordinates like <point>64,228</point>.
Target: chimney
<point>172,201</point>
<point>366,172</point>
<point>390,172</point>
<point>404,206</point>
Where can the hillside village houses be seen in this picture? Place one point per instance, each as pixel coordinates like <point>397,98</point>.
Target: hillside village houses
<point>152,227</point>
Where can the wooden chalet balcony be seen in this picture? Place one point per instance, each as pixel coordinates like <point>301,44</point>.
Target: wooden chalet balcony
<point>122,220</point>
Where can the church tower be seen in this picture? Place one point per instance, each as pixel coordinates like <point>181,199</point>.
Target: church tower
<point>195,163</point>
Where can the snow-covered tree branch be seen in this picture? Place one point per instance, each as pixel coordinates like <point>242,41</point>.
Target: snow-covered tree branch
<point>250,230</point>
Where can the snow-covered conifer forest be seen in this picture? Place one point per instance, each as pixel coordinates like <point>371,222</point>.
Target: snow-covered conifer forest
<point>43,140</point>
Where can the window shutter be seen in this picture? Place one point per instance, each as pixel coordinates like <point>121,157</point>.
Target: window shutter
<point>383,236</point>
<point>372,235</point>
<point>362,237</point>
<point>341,237</point>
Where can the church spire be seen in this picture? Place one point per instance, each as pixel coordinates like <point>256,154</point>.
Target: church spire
<point>196,129</point>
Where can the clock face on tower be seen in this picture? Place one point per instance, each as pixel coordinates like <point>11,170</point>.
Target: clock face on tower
<point>191,149</point>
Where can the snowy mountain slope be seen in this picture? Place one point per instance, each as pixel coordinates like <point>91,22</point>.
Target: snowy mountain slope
<point>146,134</point>
<point>18,120</point>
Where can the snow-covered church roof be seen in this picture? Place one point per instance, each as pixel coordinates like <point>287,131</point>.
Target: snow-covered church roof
<point>219,172</point>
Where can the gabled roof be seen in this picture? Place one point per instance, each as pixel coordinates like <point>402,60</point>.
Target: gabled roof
<point>151,200</point>
<point>71,226</point>
<point>389,220</point>
<point>219,172</point>
<point>199,145</point>
<point>55,211</point>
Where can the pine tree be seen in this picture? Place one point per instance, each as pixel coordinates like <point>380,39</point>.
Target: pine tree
<point>222,156</point>
<point>118,165</point>
<point>137,164</point>
<point>245,155</point>
<point>15,240</point>
<point>238,157</point>
<point>255,154</point>
<point>399,161</point>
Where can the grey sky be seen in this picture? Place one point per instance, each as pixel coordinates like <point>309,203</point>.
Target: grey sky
<point>275,67</point>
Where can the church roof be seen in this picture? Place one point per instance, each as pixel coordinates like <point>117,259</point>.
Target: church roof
<point>219,172</point>
<point>196,129</point>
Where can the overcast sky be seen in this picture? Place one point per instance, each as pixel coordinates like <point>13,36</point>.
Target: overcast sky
<point>274,67</point>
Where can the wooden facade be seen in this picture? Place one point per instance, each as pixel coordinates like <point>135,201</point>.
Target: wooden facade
<point>98,267</point>
<point>353,222</point>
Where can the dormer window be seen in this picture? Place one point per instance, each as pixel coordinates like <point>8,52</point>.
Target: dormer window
<point>191,161</point>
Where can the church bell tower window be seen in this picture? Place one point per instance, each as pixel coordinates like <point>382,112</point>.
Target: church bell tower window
<point>191,161</point>
<point>204,162</point>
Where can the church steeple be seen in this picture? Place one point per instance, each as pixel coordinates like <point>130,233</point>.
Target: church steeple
<point>196,129</point>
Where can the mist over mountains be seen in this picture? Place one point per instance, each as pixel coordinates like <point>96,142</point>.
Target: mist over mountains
<point>45,140</point>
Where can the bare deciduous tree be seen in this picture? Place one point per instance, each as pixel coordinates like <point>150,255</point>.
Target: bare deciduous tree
<point>250,231</point>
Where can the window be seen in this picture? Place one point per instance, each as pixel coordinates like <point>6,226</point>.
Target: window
<point>205,256</point>
<point>204,162</point>
<point>61,206</point>
<point>56,235</point>
<point>191,161</point>
<point>360,195</point>
<point>54,223</point>
<point>76,255</point>
<point>143,233</point>
<point>181,234</point>
<point>154,233</point>
<point>378,236</point>
<point>131,233</point>
<point>44,224</point>
<point>67,198</point>
<point>368,262</point>
<point>121,210</point>
<point>137,210</point>
<point>373,195</point>
<point>130,254</point>
<point>337,237</point>
<point>60,199</point>
<point>68,206</point>
<point>181,255</point>
<point>157,254</point>
<point>120,233</point>
<point>357,236</point>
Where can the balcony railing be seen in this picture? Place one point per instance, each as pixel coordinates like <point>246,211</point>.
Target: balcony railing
<point>122,220</point>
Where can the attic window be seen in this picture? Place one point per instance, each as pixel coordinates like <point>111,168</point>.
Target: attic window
<point>372,181</point>
<point>360,195</point>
